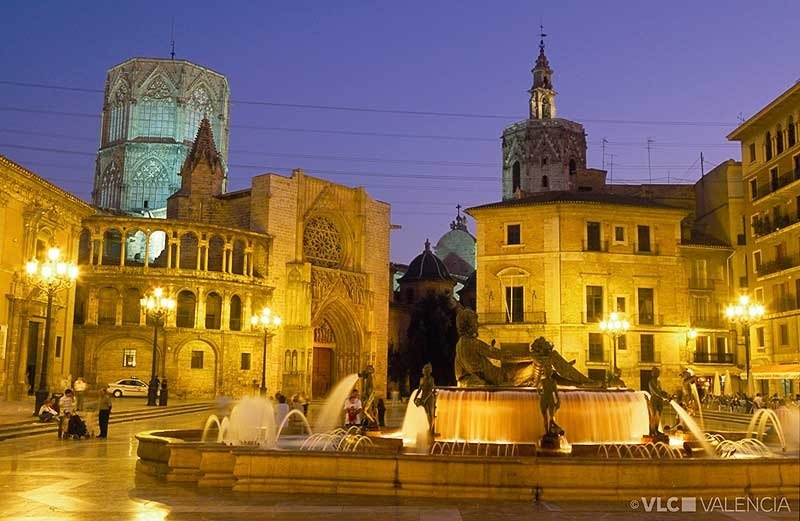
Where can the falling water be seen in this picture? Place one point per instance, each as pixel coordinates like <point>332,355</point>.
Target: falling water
<point>331,415</point>
<point>415,423</point>
<point>690,424</point>
<point>513,416</point>
<point>758,425</point>
<point>696,397</point>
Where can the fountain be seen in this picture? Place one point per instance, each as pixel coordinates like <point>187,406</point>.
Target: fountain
<point>487,441</point>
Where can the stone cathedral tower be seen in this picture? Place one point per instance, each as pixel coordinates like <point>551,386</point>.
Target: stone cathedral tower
<point>152,109</point>
<point>542,153</point>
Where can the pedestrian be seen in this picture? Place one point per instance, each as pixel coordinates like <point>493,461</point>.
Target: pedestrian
<point>104,412</point>
<point>352,409</point>
<point>65,406</point>
<point>80,388</point>
<point>48,411</point>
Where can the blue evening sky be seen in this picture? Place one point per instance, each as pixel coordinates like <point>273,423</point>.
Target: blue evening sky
<point>680,73</point>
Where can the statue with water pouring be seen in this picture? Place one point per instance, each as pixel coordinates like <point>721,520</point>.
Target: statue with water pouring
<point>655,406</point>
<point>426,395</point>
<point>368,408</point>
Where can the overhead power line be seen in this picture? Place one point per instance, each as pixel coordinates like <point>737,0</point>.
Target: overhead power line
<point>404,112</point>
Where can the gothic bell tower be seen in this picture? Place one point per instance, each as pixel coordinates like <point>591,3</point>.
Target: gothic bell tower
<point>542,153</point>
<point>543,97</point>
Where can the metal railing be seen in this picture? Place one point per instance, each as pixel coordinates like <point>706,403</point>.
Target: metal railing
<point>713,358</point>
<point>650,356</point>
<point>779,264</point>
<point>651,249</point>
<point>528,317</point>
<point>601,246</point>
<point>596,355</point>
<point>703,284</point>
<point>711,322</point>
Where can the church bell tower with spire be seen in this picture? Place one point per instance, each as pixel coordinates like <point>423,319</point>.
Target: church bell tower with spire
<point>543,97</point>
<point>542,153</point>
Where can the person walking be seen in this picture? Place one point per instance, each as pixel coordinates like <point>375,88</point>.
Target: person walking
<point>104,412</point>
<point>65,406</point>
<point>80,389</point>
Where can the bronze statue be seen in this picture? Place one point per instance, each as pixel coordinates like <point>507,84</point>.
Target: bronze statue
<point>478,364</point>
<point>368,403</point>
<point>426,396</point>
<point>549,403</point>
<point>656,404</point>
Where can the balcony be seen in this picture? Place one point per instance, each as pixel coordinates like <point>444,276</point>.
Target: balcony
<point>766,225</point>
<point>595,245</point>
<point>701,284</point>
<point>649,356</point>
<point>645,249</point>
<point>785,303</point>
<point>596,355</point>
<point>649,319</point>
<point>774,185</point>
<point>710,322</point>
<point>779,264</point>
<point>529,317</point>
<point>713,358</point>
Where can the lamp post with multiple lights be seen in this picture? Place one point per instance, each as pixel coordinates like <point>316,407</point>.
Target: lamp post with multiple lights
<point>49,276</point>
<point>269,323</point>
<point>615,326</point>
<point>744,313</point>
<point>155,305</point>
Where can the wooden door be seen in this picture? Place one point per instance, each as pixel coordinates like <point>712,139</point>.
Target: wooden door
<point>321,376</point>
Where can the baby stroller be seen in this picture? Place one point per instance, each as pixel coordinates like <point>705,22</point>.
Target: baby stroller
<point>76,428</point>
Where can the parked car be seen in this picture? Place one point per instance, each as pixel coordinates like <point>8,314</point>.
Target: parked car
<point>128,387</point>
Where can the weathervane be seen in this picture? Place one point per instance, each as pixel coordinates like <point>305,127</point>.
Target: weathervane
<point>541,38</point>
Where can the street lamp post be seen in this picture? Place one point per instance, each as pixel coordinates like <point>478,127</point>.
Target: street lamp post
<point>156,305</point>
<point>269,323</point>
<point>50,276</point>
<point>744,313</point>
<point>615,326</point>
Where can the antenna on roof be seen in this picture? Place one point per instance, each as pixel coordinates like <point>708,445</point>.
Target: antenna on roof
<point>172,39</point>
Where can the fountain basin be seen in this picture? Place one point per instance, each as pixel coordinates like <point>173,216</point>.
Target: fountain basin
<point>512,415</point>
<point>176,456</point>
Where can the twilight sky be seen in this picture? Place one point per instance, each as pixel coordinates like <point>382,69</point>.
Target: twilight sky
<point>680,73</point>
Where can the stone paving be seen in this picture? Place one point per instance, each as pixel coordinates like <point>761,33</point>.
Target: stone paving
<point>43,478</point>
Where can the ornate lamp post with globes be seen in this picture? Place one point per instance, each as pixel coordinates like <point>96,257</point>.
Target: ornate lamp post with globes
<point>269,323</point>
<point>156,305</point>
<point>50,276</point>
<point>744,313</point>
<point>615,326</point>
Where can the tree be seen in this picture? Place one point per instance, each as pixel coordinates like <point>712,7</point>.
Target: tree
<point>432,337</point>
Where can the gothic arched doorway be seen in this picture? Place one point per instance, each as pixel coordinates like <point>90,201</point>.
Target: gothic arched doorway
<point>337,349</point>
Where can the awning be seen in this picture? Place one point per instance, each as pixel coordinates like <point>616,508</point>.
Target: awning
<point>776,372</point>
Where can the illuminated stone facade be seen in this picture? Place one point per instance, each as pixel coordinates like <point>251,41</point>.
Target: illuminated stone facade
<point>152,108</point>
<point>34,215</point>
<point>313,251</point>
<point>770,268</point>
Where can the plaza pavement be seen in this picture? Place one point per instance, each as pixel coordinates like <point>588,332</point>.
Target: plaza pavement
<point>43,478</point>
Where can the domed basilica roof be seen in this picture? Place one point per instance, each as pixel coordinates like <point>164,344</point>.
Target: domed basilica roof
<point>426,266</point>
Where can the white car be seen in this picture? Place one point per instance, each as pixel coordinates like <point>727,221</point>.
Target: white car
<point>128,387</point>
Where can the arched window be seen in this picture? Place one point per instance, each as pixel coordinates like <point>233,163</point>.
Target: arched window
<point>287,361</point>
<point>157,249</point>
<point>778,140</point>
<point>322,244</point>
<point>216,250</point>
<point>110,186</point>
<point>545,182</point>
<point>187,304</point>
<point>84,247</point>
<point>572,168</point>
<point>135,245</point>
<point>545,108</point>
<point>112,248</point>
<point>198,106</point>
<point>235,322</point>
<point>237,260</point>
<point>131,307</point>
<point>213,311</point>
<point>155,112</point>
<point>790,132</point>
<point>768,146</point>
<point>118,113</point>
<point>149,186</point>
<point>189,253</point>
<point>107,306</point>
<point>515,177</point>
<point>294,360</point>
